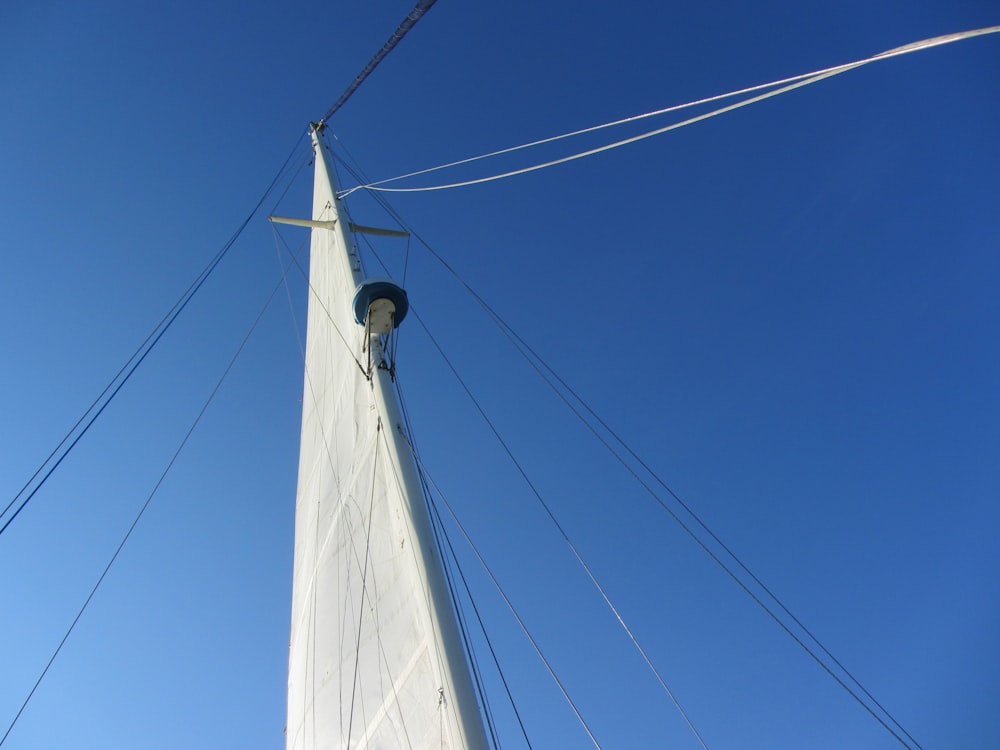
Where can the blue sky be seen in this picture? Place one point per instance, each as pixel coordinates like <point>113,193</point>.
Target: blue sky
<point>790,312</point>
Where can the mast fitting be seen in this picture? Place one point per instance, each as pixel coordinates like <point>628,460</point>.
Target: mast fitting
<point>381,305</point>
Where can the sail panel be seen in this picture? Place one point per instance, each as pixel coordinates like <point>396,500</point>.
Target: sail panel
<point>369,660</point>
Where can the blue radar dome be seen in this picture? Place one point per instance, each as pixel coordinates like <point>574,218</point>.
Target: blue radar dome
<point>380,289</point>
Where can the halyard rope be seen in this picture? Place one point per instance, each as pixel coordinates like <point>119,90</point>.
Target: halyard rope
<point>785,84</point>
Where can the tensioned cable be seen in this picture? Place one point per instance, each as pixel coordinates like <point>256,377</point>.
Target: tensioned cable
<point>438,532</point>
<point>711,554</point>
<point>786,84</point>
<point>328,452</point>
<point>301,344</point>
<point>441,533</point>
<point>404,27</point>
<point>522,347</point>
<point>582,131</point>
<point>638,646</point>
<point>311,614</point>
<point>142,510</point>
<point>479,619</point>
<point>326,310</point>
<point>288,291</point>
<point>503,595</point>
<point>562,532</point>
<point>137,358</point>
<point>509,331</point>
<point>292,180</point>
<point>700,543</point>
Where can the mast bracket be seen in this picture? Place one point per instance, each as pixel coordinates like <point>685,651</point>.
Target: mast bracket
<point>359,228</point>
<point>303,222</point>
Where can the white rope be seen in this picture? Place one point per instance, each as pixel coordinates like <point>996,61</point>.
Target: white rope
<point>786,84</point>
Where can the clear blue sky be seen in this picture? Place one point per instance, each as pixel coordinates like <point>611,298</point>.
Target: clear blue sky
<point>790,312</point>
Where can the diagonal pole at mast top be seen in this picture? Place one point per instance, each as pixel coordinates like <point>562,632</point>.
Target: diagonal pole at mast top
<point>408,23</point>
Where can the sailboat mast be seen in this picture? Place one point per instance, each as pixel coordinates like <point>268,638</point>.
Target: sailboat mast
<point>376,657</point>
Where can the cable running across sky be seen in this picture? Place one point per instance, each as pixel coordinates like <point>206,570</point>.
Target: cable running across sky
<point>397,36</point>
<point>786,84</point>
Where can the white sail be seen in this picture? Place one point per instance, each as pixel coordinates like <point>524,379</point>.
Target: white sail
<point>375,659</point>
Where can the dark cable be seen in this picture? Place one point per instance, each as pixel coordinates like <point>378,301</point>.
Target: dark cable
<point>441,533</point>
<point>408,23</point>
<point>145,506</point>
<point>136,359</point>
<point>512,335</point>
<point>479,619</point>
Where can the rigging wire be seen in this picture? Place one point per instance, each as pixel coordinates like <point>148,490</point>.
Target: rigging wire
<point>312,596</point>
<point>508,332</point>
<point>562,532</point>
<point>298,334</point>
<point>440,532</point>
<point>319,300</point>
<point>786,84</point>
<point>462,626</point>
<point>288,290</point>
<point>628,631</point>
<point>132,363</point>
<point>435,513</point>
<point>719,562</point>
<point>328,452</point>
<point>499,321</point>
<point>401,31</point>
<point>503,595</point>
<point>142,510</point>
<point>303,163</point>
<point>479,619</point>
<point>415,15</point>
<point>542,502</point>
<point>174,312</point>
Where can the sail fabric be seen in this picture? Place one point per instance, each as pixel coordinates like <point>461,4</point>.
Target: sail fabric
<point>371,659</point>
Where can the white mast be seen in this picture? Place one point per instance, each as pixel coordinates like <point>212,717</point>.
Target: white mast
<point>375,658</point>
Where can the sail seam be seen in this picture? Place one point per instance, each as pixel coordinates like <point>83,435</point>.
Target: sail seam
<point>364,587</point>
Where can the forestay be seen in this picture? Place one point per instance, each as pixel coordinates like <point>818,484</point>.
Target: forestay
<point>375,659</point>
